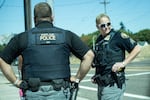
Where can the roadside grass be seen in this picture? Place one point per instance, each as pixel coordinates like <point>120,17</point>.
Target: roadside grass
<point>144,54</point>
<point>74,60</point>
<point>145,51</point>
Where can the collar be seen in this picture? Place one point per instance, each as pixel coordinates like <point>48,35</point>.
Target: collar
<point>44,24</point>
<point>110,33</point>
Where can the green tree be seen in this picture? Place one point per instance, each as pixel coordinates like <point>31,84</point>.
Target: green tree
<point>2,47</point>
<point>143,35</point>
<point>122,27</point>
<point>88,39</point>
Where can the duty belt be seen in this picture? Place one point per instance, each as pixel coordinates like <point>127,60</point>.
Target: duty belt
<point>110,79</point>
<point>104,80</point>
<point>33,84</point>
<point>57,84</point>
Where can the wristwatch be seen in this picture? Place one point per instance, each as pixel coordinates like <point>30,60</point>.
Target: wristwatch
<point>77,80</point>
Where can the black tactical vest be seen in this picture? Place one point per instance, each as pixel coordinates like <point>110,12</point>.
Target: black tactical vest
<point>105,56</point>
<point>47,55</point>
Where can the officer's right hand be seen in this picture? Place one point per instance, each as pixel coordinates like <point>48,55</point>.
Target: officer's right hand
<point>118,66</point>
<point>93,79</point>
<point>74,79</point>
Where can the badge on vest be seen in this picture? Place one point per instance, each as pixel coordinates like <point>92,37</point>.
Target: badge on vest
<point>45,38</point>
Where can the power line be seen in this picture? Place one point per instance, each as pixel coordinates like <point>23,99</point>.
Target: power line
<point>105,3</point>
<point>2,3</point>
<point>76,3</point>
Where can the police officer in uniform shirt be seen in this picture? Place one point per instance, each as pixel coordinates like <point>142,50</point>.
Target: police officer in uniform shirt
<point>110,60</point>
<point>45,50</point>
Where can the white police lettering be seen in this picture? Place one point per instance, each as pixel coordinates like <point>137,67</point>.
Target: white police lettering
<point>47,36</point>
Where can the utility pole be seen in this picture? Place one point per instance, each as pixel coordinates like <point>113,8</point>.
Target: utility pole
<point>105,3</point>
<point>27,14</point>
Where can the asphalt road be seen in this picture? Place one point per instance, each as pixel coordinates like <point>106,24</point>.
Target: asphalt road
<point>137,81</point>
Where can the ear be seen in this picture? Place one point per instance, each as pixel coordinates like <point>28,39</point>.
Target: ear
<point>97,26</point>
<point>52,18</point>
<point>35,20</point>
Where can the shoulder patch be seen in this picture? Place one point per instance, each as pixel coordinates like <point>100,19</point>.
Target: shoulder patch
<point>123,35</point>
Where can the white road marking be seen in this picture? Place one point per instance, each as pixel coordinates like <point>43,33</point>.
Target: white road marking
<point>128,75</point>
<point>125,94</point>
<point>137,74</point>
<point>137,96</point>
<point>80,98</point>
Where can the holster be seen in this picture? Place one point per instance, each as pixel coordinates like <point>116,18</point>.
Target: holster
<point>119,78</point>
<point>59,83</point>
<point>32,84</point>
<point>74,90</point>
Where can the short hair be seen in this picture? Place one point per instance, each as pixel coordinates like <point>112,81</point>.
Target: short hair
<point>42,10</point>
<point>100,16</point>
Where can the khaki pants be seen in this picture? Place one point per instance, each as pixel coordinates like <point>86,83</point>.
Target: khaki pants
<point>111,93</point>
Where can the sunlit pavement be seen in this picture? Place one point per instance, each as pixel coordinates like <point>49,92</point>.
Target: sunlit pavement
<point>138,84</point>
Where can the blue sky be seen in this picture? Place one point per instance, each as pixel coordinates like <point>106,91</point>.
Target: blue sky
<point>79,15</point>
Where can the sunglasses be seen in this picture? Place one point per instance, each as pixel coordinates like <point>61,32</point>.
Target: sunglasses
<point>104,25</point>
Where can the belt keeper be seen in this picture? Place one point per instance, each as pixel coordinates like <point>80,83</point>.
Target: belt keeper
<point>15,83</point>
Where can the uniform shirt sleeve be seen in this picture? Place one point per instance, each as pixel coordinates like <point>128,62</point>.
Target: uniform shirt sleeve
<point>13,49</point>
<point>126,42</point>
<point>77,46</point>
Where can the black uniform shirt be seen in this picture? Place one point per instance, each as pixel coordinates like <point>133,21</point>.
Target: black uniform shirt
<point>19,42</point>
<point>120,41</point>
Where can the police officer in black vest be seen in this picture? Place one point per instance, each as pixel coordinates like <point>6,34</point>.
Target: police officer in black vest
<point>45,50</point>
<point>110,59</point>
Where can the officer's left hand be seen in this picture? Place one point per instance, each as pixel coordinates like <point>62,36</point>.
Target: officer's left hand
<point>118,66</point>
